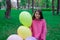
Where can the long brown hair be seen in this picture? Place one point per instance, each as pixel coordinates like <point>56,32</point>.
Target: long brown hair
<point>40,13</point>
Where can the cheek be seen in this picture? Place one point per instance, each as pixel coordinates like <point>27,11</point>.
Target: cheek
<point>35,15</point>
<point>39,15</point>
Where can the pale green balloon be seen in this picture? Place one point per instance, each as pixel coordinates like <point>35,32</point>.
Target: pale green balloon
<point>25,18</point>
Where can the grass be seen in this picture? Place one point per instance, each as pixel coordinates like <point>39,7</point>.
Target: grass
<point>9,26</point>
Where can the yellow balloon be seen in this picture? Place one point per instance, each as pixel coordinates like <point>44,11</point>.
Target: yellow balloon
<point>25,18</point>
<point>24,32</point>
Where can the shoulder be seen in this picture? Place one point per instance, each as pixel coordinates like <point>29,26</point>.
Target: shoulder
<point>33,21</point>
<point>43,20</point>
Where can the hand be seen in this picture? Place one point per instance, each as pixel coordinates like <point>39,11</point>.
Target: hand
<point>41,39</point>
<point>37,38</point>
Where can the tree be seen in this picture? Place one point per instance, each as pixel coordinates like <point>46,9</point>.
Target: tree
<point>8,9</point>
<point>47,6</point>
<point>32,5</point>
<point>0,4</point>
<point>18,6</point>
<point>23,3</point>
<point>58,2</point>
<point>28,3</point>
<point>53,7</point>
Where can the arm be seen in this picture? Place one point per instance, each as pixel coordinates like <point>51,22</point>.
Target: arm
<point>44,31</point>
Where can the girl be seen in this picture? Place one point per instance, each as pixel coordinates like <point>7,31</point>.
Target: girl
<point>38,26</point>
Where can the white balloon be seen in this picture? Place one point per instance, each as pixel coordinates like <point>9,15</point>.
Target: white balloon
<point>14,37</point>
<point>30,38</point>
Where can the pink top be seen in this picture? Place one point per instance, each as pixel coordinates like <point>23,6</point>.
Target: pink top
<point>38,29</point>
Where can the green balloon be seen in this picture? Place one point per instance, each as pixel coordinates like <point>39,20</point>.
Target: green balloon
<point>25,18</point>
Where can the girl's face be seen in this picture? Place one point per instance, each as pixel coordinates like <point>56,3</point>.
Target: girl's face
<point>37,15</point>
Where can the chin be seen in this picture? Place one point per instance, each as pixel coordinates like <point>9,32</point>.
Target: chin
<point>37,18</point>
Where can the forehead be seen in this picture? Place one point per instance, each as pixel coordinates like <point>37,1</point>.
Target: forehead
<point>36,12</point>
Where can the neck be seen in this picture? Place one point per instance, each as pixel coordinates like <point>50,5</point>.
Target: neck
<point>37,19</point>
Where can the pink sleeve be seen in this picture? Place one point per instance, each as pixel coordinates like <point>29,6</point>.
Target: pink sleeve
<point>31,28</point>
<point>44,31</point>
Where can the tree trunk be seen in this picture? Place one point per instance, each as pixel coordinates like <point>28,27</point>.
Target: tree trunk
<point>28,3</point>
<point>37,3</point>
<point>32,5</point>
<point>53,7</point>
<point>8,9</point>
<point>0,5</point>
<point>18,4</point>
<point>47,6</point>
<point>58,6</point>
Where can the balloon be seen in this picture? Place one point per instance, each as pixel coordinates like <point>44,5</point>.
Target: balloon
<point>30,38</point>
<point>24,32</point>
<point>14,37</point>
<point>25,18</point>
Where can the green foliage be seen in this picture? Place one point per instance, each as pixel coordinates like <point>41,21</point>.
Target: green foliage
<point>23,2</point>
